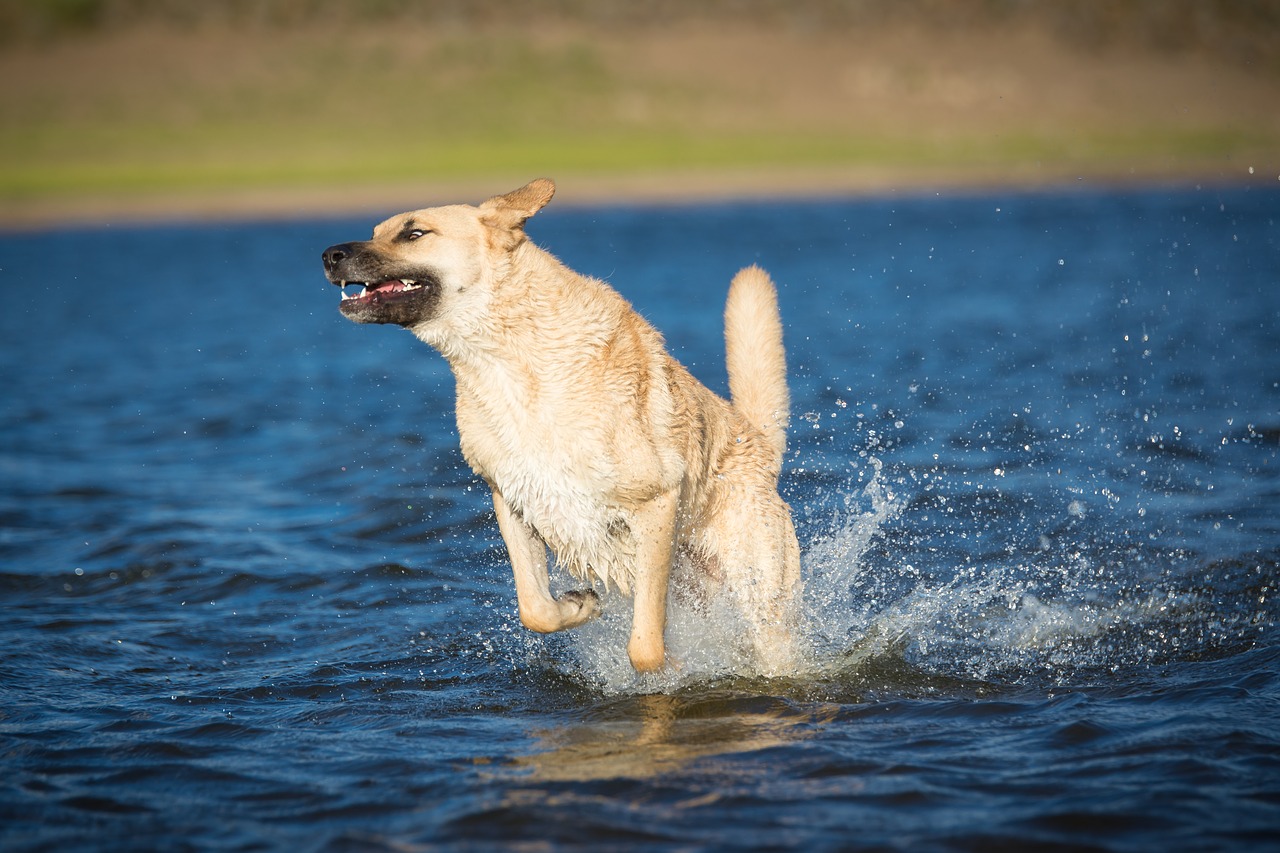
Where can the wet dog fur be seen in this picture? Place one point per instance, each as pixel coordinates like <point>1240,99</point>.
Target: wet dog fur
<point>595,442</point>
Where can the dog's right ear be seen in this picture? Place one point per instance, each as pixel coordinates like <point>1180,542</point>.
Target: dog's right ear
<point>510,211</point>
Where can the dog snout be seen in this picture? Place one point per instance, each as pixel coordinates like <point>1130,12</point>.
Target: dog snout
<point>335,255</point>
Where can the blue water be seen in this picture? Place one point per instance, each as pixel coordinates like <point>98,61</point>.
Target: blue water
<point>252,597</point>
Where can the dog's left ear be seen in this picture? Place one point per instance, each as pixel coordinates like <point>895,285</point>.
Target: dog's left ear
<point>511,210</point>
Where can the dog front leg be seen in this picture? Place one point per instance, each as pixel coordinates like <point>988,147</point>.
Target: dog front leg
<point>539,611</point>
<point>654,526</point>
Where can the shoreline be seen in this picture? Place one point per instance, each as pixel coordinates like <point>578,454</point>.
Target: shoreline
<point>665,188</point>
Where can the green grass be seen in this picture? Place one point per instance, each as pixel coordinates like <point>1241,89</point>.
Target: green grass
<point>280,110</point>
<point>143,159</point>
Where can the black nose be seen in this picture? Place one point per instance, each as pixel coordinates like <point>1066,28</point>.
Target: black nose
<point>335,255</point>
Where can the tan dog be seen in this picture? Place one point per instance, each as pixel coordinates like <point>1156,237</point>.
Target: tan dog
<point>596,442</point>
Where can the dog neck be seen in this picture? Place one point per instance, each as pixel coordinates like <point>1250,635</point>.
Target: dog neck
<point>540,321</point>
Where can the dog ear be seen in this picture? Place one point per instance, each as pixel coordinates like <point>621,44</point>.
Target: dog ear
<point>511,210</point>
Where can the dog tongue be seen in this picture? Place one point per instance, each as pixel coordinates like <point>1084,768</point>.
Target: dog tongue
<point>394,284</point>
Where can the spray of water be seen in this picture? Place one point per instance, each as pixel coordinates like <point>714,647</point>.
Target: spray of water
<point>1080,608</point>
<point>704,642</point>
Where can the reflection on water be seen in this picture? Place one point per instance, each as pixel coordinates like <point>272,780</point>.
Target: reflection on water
<point>639,737</point>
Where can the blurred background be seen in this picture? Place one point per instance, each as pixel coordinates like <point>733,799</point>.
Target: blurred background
<point>138,109</point>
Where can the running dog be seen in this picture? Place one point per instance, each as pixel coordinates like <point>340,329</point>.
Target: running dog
<point>595,442</point>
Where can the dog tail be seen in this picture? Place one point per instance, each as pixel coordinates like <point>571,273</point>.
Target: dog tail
<point>756,360</point>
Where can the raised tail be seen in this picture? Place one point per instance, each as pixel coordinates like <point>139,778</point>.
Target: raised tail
<point>756,360</point>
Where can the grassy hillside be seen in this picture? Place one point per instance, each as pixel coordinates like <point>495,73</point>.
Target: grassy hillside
<point>119,106</point>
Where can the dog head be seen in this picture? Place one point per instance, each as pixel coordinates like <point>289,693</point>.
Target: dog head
<point>423,265</point>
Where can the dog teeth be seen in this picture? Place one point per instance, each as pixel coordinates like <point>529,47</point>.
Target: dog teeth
<point>406,284</point>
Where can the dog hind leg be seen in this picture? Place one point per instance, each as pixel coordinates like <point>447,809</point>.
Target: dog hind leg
<point>762,575</point>
<point>775,631</point>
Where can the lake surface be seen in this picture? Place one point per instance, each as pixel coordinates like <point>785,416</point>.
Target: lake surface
<point>253,599</point>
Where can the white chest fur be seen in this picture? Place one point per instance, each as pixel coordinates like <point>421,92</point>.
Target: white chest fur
<point>559,481</point>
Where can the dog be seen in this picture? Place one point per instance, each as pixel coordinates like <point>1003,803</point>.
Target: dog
<point>595,442</point>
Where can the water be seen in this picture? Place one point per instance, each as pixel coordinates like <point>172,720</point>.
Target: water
<point>253,598</point>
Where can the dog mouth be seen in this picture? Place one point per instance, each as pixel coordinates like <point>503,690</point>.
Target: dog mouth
<point>372,293</point>
<point>400,301</point>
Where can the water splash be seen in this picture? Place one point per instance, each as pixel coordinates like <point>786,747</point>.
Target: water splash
<point>1091,605</point>
<point>705,642</point>
<point>841,592</point>
<point>1088,601</point>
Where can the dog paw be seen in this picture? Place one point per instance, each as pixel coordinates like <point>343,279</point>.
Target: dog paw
<point>583,605</point>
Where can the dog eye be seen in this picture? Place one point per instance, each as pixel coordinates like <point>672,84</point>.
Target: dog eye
<point>416,233</point>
